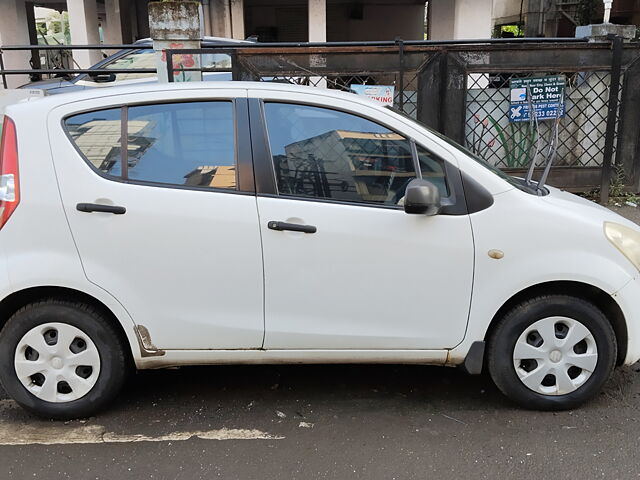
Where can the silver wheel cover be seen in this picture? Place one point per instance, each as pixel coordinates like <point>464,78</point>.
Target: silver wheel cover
<point>57,362</point>
<point>555,356</point>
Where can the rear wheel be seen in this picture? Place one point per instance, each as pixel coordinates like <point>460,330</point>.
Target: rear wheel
<point>552,352</point>
<point>61,359</point>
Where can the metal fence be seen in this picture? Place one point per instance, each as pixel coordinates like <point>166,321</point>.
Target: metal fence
<point>462,90</point>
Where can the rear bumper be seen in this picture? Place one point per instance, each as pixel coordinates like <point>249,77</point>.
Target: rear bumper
<point>628,299</point>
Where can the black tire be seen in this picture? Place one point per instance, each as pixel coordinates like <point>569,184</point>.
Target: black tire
<point>113,361</point>
<point>503,339</point>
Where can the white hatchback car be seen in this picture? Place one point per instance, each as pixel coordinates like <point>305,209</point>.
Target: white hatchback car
<point>149,227</point>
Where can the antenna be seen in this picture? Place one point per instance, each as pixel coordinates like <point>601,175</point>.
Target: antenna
<point>533,120</point>
<point>553,147</point>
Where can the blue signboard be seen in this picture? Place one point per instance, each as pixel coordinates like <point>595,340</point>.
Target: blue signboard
<point>547,98</point>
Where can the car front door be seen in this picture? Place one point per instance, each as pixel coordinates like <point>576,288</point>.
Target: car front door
<point>166,221</point>
<point>364,275</point>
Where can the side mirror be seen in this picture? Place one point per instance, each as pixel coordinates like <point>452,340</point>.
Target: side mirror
<point>422,197</point>
<point>103,77</point>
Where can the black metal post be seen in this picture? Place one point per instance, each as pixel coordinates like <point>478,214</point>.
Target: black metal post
<point>400,44</point>
<point>4,75</point>
<point>169,56</point>
<point>444,73</point>
<point>612,113</point>
<point>124,141</point>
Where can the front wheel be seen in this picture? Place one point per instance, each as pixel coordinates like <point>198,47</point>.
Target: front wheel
<point>61,359</point>
<point>552,353</point>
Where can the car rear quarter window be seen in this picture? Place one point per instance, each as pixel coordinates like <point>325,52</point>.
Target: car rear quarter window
<point>97,135</point>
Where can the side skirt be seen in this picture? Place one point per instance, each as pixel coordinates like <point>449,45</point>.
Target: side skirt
<point>175,358</point>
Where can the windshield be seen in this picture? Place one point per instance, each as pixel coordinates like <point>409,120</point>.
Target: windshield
<point>146,58</point>
<point>519,183</point>
<point>138,59</point>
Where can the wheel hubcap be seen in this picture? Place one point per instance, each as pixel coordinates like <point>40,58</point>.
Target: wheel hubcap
<point>555,356</point>
<point>57,362</point>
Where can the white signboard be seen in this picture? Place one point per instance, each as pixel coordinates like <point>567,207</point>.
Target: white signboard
<point>378,93</point>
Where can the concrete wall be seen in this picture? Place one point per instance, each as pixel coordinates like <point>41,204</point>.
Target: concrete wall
<point>378,22</point>
<point>13,31</point>
<point>289,20</point>
<point>508,11</point>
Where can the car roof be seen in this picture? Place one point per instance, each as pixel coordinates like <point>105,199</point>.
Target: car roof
<point>53,101</point>
<point>147,42</point>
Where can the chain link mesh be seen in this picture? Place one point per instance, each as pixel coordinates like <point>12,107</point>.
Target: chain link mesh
<point>505,144</point>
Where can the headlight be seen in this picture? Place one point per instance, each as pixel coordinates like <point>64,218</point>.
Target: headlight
<point>625,239</point>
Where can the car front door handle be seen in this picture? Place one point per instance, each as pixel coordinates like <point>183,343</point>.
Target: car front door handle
<point>97,207</point>
<point>292,227</point>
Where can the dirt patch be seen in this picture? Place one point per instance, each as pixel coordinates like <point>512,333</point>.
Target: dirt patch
<point>630,213</point>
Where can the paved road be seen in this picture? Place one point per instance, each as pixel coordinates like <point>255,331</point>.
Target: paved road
<point>338,422</point>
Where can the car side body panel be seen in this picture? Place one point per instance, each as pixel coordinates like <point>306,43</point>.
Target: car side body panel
<point>541,243</point>
<point>44,255</point>
<point>543,239</point>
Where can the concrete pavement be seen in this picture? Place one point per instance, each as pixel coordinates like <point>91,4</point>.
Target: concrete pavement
<point>337,422</point>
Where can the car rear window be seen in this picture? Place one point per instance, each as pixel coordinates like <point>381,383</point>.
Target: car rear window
<point>190,144</point>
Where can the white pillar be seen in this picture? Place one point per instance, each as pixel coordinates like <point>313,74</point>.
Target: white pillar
<point>237,19</point>
<point>317,20</point>
<point>14,31</point>
<point>206,16</point>
<point>83,23</point>
<point>113,28</point>
<point>460,19</point>
<point>441,19</point>
<point>473,19</point>
<point>220,18</point>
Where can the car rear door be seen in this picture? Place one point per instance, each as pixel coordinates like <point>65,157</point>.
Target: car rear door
<point>185,257</point>
<point>362,274</point>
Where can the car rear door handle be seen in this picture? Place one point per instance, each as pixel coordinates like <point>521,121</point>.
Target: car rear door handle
<point>292,227</point>
<point>97,207</point>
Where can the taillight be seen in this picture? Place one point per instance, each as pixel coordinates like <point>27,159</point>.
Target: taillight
<point>9,182</point>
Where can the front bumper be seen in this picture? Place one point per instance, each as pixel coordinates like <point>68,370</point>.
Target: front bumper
<point>628,298</point>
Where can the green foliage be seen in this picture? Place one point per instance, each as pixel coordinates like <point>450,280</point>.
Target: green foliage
<point>516,30</point>
<point>516,139</point>
<point>618,191</point>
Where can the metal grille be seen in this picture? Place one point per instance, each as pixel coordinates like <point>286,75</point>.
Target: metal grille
<point>407,101</point>
<point>340,70</point>
<point>489,133</point>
